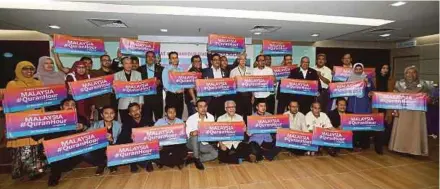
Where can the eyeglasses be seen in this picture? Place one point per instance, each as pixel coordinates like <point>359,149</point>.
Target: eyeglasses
<point>28,69</point>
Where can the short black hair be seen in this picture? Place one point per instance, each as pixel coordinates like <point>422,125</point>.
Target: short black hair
<point>133,104</point>
<point>108,107</point>
<point>152,52</point>
<point>134,58</point>
<point>200,101</point>
<point>194,57</point>
<point>85,58</point>
<point>259,101</point>
<point>215,54</point>
<point>267,56</point>
<point>169,107</point>
<point>340,99</point>
<point>66,100</point>
<point>286,55</point>
<point>294,101</point>
<point>105,55</point>
<point>173,52</point>
<point>304,57</point>
<point>258,56</point>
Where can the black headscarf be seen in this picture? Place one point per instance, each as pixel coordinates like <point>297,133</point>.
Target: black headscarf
<point>382,81</point>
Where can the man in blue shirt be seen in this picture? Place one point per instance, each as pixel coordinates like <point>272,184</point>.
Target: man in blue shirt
<point>173,155</point>
<point>174,94</point>
<point>153,104</point>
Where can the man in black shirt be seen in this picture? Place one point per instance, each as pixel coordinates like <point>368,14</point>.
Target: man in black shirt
<point>135,120</point>
<point>191,94</point>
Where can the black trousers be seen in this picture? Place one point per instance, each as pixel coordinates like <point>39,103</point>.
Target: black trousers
<point>153,104</point>
<point>173,155</point>
<point>324,99</point>
<point>233,155</point>
<point>216,106</point>
<point>361,139</point>
<point>244,105</point>
<point>124,115</point>
<point>270,103</point>
<point>283,102</point>
<point>304,102</point>
<point>266,149</point>
<point>176,100</point>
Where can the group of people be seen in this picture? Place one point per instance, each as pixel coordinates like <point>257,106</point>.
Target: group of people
<point>407,135</point>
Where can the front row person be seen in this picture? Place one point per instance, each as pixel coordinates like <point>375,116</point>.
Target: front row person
<point>233,152</point>
<point>173,155</point>
<point>297,122</point>
<point>202,151</point>
<point>316,118</point>
<point>262,145</point>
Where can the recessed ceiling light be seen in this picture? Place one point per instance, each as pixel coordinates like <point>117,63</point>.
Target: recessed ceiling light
<point>399,3</point>
<point>385,35</point>
<point>190,11</point>
<point>257,33</point>
<point>315,35</point>
<point>163,30</point>
<point>54,27</point>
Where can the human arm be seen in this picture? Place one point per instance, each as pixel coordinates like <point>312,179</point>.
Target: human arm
<point>58,62</point>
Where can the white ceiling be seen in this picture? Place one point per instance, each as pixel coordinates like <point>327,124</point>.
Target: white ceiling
<point>411,20</point>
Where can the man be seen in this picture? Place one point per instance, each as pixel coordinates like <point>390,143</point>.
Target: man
<point>174,94</point>
<point>263,145</point>
<point>316,118</point>
<point>191,94</point>
<point>202,151</point>
<point>262,69</point>
<point>153,103</point>
<point>215,71</point>
<point>268,60</point>
<point>335,115</point>
<point>283,98</point>
<point>297,120</point>
<point>56,168</point>
<point>347,61</point>
<point>135,62</point>
<point>233,151</point>
<point>325,77</point>
<point>136,120</point>
<point>304,73</point>
<point>172,155</point>
<point>105,99</point>
<point>243,99</point>
<point>127,74</point>
<point>224,65</point>
<point>113,131</point>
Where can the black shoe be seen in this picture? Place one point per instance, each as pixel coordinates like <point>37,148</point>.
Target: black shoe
<point>149,167</point>
<point>379,151</point>
<point>159,165</point>
<point>53,180</point>
<point>199,164</point>
<point>100,170</point>
<point>134,168</point>
<point>332,152</point>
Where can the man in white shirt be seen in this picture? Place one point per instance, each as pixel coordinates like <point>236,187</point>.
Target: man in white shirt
<point>262,69</point>
<point>325,77</point>
<point>233,151</point>
<point>202,151</point>
<point>297,119</point>
<point>316,118</point>
<point>243,99</point>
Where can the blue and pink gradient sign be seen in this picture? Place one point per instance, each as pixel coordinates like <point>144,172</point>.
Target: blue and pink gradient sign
<point>133,152</point>
<point>88,88</point>
<point>167,135</point>
<point>184,79</point>
<point>215,87</point>
<point>65,44</point>
<point>124,89</point>
<point>73,145</point>
<point>138,47</point>
<point>400,101</point>
<point>288,138</point>
<point>363,122</point>
<point>221,131</point>
<point>299,86</point>
<point>266,124</point>
<point>263,83</point>
<point>272,47</point>
<point>19,99</point>
<point>345,89</point>
<point>23,124</point>
<point>225,43</point>
<point>281,72</point>
<point>332,138</point>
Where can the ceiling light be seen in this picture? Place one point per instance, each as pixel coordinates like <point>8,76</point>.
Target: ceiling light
<point>315,35</point>
<point>54,27</point>
<point>257,33</point>
<point>163,30</point>
<point>399,3</point>
<point>190,11</point>
<point>385,35</point>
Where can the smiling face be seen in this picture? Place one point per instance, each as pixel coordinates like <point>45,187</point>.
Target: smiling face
<point>106,62</point>
<point>48,65</point>
<point>320,62</point>
<point>287,60</point>
<point>305,62</point>
<point>108,114</point>
<point>411,75</point>
<point>358,70</point>
<point>28,71</point>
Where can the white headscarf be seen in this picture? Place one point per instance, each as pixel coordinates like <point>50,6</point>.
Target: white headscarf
<point>357,77</point>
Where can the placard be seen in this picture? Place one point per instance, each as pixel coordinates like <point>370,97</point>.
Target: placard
<point>266,124</point>
<point>225,43</point>
<point>299,86</point>
<point>138,47</point>
<point>288,138</point>
<point>346,89</point>
<point>131,153</point>
<point>281,72</point>
<point>221,131</point>
<point>262,83</point>
<point>167,135</point>
<point>88,88</point>
<point>124,89</point>
<point>332,138</point>
<point>273,47</point>
<point>400,101</point>
<point>363,122</point>
<point>341,73</point>
<point>65,44</point>
<point>215,87</point>
<point>184,79</point>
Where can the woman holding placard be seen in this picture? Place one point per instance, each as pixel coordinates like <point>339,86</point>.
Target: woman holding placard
<point>76,73</point>
<point>409,134</point>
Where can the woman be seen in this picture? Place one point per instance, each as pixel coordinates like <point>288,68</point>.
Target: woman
<point>47,74</point>
<point>409,134</point>
<point>26,152</point>
<point>361,104</point>
<point>79,72</point>
<point>384,83</point>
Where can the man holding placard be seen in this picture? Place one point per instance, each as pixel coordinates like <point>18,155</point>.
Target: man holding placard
<point>283,98</point>
<point>262,69</point>
<point>174,93</point>
<point>325,77</point>
<point>153,103</point>
<point>316,118</point>
<point>243,99</point>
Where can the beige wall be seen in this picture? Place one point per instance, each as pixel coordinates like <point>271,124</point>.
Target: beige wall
<point>425,56</point>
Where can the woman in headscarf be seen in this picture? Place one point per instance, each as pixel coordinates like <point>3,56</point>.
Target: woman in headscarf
<point>409,134</point>
<point>360,105</point>
<point>47,74</point>
<point>79,72</point>
<point>385,83</point>
<point>26,152</point>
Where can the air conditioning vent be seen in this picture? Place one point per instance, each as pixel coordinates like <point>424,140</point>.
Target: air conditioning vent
<point>265,29</point>
<point>107,23</point>
<point>380,30</point>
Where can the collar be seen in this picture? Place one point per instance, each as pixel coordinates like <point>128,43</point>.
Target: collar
<point>318,115</point>
<point>152,66</point>
<point>198,115</point>
<point>301,69</point>
<point>216,70</point>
